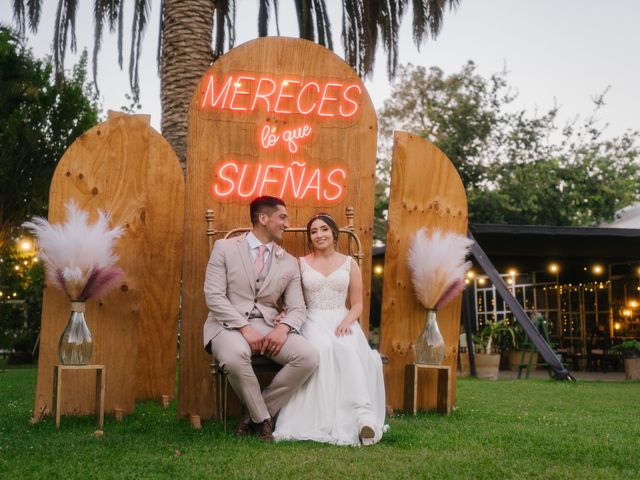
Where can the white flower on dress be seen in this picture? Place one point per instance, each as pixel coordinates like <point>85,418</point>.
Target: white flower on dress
<point>279,252</point>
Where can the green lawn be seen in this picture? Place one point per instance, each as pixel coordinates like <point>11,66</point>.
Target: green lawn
<point>506,429</point>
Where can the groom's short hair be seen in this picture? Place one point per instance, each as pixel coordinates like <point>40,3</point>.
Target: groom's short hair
<point>264,204</point>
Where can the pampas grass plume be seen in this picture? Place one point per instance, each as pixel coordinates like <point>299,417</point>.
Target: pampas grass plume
<point>78,256</point>
<point>437,264</point>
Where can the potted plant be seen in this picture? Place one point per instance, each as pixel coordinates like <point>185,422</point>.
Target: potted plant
<point>516,349</point>
<point>630,351</point>
<point>487,357</point>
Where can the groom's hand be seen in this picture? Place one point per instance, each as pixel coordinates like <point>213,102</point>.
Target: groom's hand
<point>274,340</point>
<point>253,338</point>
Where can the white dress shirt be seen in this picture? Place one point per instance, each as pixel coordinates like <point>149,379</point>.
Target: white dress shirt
<point>254,245</point>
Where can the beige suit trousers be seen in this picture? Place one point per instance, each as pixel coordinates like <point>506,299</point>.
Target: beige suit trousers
<point>298,357</point>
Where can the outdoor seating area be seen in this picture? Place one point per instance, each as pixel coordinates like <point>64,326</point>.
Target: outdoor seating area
<point>583,282</point>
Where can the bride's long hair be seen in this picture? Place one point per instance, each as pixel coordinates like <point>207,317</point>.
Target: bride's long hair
<point>331,223</point>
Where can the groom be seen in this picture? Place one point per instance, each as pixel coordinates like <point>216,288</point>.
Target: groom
<point>247,278</point>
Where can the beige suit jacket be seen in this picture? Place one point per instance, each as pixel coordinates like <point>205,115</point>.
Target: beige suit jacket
<point>230,288</point>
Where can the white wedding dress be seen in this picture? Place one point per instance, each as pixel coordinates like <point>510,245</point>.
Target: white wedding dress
<point>347,390</point>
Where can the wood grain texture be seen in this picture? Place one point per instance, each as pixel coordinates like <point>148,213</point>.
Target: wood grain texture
<point>128,169</point>
<point>217,135</point>
<point>426,191</point>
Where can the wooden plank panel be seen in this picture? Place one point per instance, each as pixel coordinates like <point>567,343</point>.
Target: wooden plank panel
<point>220,135</point>
<point>163,221</point>
<point>426,191</point>
<point>111,167</point>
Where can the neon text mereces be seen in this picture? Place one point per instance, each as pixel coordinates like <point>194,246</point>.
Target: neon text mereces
<point>247,93</point>
<point>243,180</point>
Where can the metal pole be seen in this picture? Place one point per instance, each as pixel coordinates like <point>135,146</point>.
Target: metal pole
<point>559,370</point>
<point>469,312</point>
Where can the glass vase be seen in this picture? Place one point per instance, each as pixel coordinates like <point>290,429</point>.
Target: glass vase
<point>430,346</point>
<point>76,345</point>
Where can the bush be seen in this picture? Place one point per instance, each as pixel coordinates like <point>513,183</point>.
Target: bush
<point>19,313</point>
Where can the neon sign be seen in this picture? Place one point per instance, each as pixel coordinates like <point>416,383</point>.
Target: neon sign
<point>295,180</point>
<point>245,93</point>
<point>302,102</point>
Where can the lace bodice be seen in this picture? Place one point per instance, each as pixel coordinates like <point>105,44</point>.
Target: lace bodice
<point>325,292</point>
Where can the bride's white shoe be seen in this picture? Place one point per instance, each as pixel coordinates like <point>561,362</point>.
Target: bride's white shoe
<point>366,435</point>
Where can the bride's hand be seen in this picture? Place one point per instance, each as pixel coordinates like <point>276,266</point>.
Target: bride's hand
<point>344,329</point>
<point>280,317</point>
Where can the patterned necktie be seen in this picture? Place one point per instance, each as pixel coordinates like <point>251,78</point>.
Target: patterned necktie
<point>260,259</point>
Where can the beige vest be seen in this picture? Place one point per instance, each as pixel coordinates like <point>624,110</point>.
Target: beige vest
<point>260,281</point>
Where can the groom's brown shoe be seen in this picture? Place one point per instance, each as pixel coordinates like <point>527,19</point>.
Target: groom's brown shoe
<point>266,430</point>
<point>244,427</point>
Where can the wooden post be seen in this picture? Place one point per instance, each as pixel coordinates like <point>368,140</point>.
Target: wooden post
<point>118,414</point>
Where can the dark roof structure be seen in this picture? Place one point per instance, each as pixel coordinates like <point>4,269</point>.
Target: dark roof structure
<point>529,248</point>
<point>606,244</point>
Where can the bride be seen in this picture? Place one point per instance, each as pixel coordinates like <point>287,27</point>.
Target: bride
<point>343,402</point>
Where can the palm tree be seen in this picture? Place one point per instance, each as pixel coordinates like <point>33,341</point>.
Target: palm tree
<point>193,33</point>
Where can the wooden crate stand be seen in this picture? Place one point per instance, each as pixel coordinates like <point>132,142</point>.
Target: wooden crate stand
<point>412,387</point>
<point>57,390</point>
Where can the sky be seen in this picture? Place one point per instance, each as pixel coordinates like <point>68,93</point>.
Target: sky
<point>562,52</point>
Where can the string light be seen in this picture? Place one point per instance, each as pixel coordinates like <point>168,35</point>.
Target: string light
<point>25,245</point>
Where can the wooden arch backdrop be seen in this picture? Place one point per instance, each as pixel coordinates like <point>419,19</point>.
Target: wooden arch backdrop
<point>426,191</point>
<point>238,119</point>
<point>129,169</point>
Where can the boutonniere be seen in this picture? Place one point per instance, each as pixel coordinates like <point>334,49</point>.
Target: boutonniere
<point>279,252</point>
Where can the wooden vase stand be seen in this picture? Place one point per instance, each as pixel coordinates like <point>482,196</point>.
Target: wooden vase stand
<point>412,387</point>
<point>57,389</point>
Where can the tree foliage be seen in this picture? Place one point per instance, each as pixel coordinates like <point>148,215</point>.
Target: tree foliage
<point>38,121</point>
<point>21,281</point>
<point>366,24</point>
<point>518,168</point>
